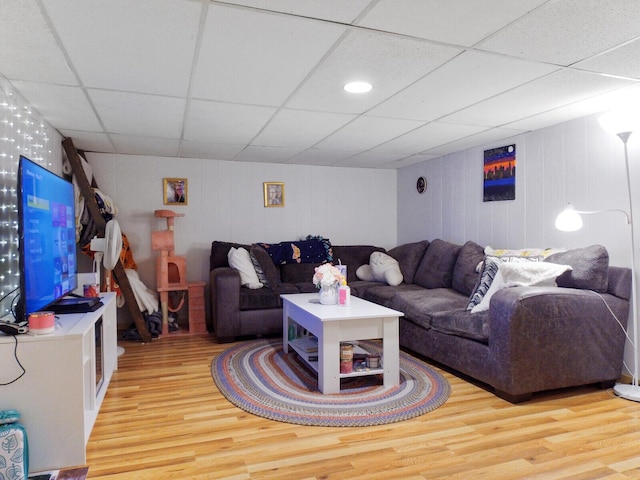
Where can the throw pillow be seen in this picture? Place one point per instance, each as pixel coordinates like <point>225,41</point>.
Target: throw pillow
<point>488,271</point>
<point>539,253</point>
<point>521,274</point>
<point>590,268</point>
<point>270,270</point>
<point>385,268</point>
<point>240,260</point>
<point>262,277</point>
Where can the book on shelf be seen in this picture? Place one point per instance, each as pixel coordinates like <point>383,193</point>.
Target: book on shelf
<point>307,344</point>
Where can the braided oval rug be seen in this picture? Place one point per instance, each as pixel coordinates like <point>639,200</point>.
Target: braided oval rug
<point>258,377</point>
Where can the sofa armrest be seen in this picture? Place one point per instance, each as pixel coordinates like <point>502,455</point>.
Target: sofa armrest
<point>543,338</point>
<point>224,289</point>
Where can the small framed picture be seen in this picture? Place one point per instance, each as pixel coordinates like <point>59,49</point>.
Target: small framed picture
<point>175,191</point>
<point>273,194</point>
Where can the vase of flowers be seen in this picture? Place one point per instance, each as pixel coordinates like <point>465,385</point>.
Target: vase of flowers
<point>327,278</point>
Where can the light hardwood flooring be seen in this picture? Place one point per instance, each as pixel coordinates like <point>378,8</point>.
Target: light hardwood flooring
<point>163,418</point>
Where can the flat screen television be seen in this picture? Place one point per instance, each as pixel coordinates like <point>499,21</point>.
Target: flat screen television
<point>47,239</point>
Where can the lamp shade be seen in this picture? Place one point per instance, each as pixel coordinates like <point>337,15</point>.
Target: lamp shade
<point>569,220</point>
<point>620,121</point>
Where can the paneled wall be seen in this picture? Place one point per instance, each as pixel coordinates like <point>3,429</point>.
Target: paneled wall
<point>225,202</point>
<point>575,162</point>
<point>22,132</point>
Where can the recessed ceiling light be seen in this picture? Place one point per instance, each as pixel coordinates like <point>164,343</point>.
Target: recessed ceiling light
<point>358,87</point>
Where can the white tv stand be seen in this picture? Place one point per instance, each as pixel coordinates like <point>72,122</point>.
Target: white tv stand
<point>59,395</point>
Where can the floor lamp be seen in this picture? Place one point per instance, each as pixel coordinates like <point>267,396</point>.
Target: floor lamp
<point>569,220</point>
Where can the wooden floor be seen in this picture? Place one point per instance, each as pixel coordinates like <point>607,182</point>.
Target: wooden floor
<point>163,418</point>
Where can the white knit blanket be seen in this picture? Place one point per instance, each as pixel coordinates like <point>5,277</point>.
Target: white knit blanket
<point>525,274</point>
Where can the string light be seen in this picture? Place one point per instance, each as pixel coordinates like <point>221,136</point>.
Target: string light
<point>20,133</point>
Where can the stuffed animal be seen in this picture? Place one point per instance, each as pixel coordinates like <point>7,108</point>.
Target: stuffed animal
<point>381,268</point>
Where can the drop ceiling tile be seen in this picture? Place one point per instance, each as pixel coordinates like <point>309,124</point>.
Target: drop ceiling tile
<point>216,151</point>
<point>89,141</point>
<point>388,62</point>
<point>453,86</point>
<point>332,10</point>
<point>260,153</point>
<point>217,122</point>
<point>566,31</point>
<point>622,97</point>
<point>459,22</point>
<point>293,128</point>
<point>550,92</point>
<point>320,157</point>
<point>64,107</point>
<point>143,46</point>
<point>413,159</point>
<point>370,159</point>
<point>139,115</point>
<point>29,48</point>
<point>427,137</point>
<point>258,58</point>
<point>487,136</point>
<point>365,133</point>
<point>164,147</point>
<point>624,61</point>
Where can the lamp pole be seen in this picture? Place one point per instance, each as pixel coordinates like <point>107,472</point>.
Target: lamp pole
<point>631,392</point>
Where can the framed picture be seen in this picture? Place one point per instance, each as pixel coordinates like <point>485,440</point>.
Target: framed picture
<point>500,173</point>
<point>273,194</point>
<point>175,191</point>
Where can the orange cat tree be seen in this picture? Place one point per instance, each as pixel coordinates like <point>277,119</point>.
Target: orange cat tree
<point>171,276</point>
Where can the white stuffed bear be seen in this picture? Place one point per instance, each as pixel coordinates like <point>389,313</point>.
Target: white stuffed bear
<point>381,268</point>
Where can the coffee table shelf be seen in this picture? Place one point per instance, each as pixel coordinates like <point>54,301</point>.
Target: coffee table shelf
<point>299,344</point>
<point>332,324</point>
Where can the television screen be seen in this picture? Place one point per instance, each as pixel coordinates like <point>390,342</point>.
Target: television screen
<point>46,229</point>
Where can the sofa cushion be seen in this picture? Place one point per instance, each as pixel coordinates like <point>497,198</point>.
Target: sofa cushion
<point>436,268</point>
<point>257,299</point>
<point>408,257</point>
<point>589,268</point>
<point>465,273</point>
<point>269,269</point>
<point>383,294</point>
<point>421,304</point>
<point>298,272</point>
<point>462,323</point>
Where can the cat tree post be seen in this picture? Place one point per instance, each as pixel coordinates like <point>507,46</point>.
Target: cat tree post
<point>171,269</point>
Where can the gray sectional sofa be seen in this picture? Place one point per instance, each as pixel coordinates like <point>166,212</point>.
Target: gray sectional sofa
<point>531,338</point>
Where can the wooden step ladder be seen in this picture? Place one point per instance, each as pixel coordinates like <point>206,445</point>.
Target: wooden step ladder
<point>86,190</point>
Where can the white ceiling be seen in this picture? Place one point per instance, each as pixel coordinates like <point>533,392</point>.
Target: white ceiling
<point>261,80</point>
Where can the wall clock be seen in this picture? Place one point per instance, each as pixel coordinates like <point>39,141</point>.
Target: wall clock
<point>421,185</point>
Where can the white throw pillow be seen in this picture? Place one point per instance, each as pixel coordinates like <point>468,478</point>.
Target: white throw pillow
<point>525,274</point>
<point>385,268</point>
<point>364,273</point>
<point>240,259</point>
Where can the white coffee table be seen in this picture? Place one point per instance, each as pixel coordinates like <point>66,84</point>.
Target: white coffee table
<point>332,324</point>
